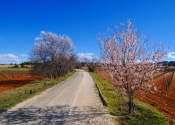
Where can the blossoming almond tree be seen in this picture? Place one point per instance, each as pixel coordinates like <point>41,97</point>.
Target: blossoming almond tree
<point>53,55</point>
<point>129,59</point>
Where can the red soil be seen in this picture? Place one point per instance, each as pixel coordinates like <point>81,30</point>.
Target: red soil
<point>163,100</point>
<point>13,79</point>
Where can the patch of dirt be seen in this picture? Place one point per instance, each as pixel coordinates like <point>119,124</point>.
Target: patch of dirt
<point>13,79</point>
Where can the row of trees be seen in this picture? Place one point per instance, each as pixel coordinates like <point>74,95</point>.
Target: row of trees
<point>53,55</point>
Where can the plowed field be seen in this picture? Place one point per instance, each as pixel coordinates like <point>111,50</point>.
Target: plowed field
<point>13,79</point>
<point>163,100</point>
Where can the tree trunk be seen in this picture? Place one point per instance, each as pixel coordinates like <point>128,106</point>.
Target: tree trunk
<point>131,104</point>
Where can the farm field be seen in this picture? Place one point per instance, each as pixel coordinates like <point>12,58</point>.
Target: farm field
<point>164,101</point>
<point>13,79</point>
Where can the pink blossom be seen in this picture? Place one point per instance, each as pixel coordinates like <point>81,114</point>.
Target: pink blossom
<point>130,60</point>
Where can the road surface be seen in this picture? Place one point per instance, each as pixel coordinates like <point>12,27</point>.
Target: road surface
<point>73,102</point>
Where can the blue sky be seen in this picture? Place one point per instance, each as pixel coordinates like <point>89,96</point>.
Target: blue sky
<point>82,20</point>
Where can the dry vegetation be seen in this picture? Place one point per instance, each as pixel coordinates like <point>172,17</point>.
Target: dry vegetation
<point>6,65</point>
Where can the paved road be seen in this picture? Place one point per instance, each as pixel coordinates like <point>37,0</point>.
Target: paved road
<point>72,102</point>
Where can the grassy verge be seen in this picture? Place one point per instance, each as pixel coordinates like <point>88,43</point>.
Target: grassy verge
<point>14,69</point>
<point>145,114</point>
<point>10,98</point>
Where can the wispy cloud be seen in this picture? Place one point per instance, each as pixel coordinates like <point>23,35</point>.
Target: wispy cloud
<point>88,56</point>
<point>11,58</point>
<point>8,58</point>
<point>171,55</point>
<point>24,55</point>
<point>38,38</point>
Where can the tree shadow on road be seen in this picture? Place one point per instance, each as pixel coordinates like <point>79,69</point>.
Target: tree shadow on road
<point>57,115</point>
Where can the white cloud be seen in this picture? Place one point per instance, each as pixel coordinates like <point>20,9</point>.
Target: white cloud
<point>171,55</point>
<point>43,32</point>
<point>88,56</point>
<point>11,58</point>
<point>38,38</point>
<point>24,55</point>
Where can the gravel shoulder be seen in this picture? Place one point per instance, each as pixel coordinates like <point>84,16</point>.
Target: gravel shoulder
<point>73,102</point>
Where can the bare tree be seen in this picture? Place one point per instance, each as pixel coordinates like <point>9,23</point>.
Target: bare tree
<point>53,55</point>
<point>129,59</point>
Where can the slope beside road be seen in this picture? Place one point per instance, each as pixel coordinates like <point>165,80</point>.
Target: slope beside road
<point>73,102</point>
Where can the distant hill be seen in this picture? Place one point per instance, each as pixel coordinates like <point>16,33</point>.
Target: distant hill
<point>171,63</point>
<point>167,63</point>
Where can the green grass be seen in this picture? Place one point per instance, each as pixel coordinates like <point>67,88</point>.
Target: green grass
<point>144,114</point>
<point>10,98</point>
<point>14,69</point>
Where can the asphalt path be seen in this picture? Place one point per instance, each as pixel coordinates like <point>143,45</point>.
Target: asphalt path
<point>73,101</point>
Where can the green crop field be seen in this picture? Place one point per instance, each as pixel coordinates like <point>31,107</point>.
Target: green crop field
<point>14,69</point>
